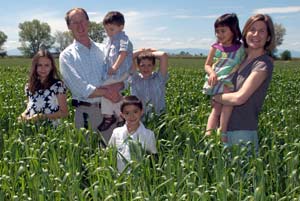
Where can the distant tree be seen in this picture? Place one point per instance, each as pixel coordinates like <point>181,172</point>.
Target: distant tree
<point>34,35</point>
<point>96,32</point>
<point>3,38</point>
<point>286,55</point>
<point>3,53</point>
<point>279,34</point>
<point>183,53</point>
<point>62,39</point>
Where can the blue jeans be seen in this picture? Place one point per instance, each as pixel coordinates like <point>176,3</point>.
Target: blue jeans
<point>242,137</point>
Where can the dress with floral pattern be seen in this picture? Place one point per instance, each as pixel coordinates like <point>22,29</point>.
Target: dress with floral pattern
<point>44,101</point>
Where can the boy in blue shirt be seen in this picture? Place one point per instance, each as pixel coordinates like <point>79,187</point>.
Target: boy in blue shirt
<point>146,83</point>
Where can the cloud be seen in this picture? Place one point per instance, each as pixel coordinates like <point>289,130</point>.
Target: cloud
<point>197,42</point>
<point>55,20</point>
<point>183,16</point>
<point>210,16</point>
<point>92,13</point>
<point>289,46</point>
<point>151,41</point>
<point>96,16</point>
<point>171,42</point>
<point>141,24</point>
<point>131,14</point>
<point>195,16</point>
<point>288,9</point>
<point>145,31</point>
<point>11,44</point>
<point>160,29</point>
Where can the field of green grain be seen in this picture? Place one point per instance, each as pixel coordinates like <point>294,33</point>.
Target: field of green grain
<point>38,162</point>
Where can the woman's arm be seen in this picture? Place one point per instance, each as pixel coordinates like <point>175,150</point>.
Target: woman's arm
<point>251,84</point>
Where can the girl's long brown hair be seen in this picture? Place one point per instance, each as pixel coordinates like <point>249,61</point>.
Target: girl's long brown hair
<point>34,83</point>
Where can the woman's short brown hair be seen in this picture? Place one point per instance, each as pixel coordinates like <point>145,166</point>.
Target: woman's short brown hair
<point>270,44</point>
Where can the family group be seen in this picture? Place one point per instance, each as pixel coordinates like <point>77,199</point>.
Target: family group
<point>238,72</point>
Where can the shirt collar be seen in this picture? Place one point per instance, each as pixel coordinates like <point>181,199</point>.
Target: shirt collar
<point>150,77</point>
<point>78,45</point>
<point>232,48</point>
<point>140,129</point>
<point>118,35</point>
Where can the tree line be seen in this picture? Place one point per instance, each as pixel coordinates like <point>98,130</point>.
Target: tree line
<point>35,35</point>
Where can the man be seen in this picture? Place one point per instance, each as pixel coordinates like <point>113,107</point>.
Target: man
<point>81,66</point>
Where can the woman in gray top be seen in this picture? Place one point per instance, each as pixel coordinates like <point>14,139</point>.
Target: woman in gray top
<point>251,81</point>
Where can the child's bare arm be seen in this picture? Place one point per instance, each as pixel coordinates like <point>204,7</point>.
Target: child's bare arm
<point>23,115</point>
<point>163,61</point>
<point>139,51</point>
<point>118,62</point>
<point>134,56</point>
<point>213,79</point>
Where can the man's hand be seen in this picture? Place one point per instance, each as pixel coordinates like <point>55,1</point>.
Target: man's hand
<point>112,91</point>
<point>112,95</point>
<point>115,86</point>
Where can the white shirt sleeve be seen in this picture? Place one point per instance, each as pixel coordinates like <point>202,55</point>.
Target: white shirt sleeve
<point>150,144</point>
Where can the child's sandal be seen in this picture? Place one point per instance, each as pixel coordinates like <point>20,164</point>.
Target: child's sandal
<point>106,123</point>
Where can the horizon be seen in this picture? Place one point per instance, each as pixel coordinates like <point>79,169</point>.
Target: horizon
<point>161,25</point>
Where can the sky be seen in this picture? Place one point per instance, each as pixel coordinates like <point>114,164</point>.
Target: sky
<point>160,24</point>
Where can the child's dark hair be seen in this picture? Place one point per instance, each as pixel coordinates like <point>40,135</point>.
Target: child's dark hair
<point>145,55</point>
<point>131,100</point>
<point>230,20</point>
<point>114,17</point>
<point>34,82</point>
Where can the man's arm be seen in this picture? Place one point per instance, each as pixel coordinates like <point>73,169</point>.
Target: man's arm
<point>110,92</point>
